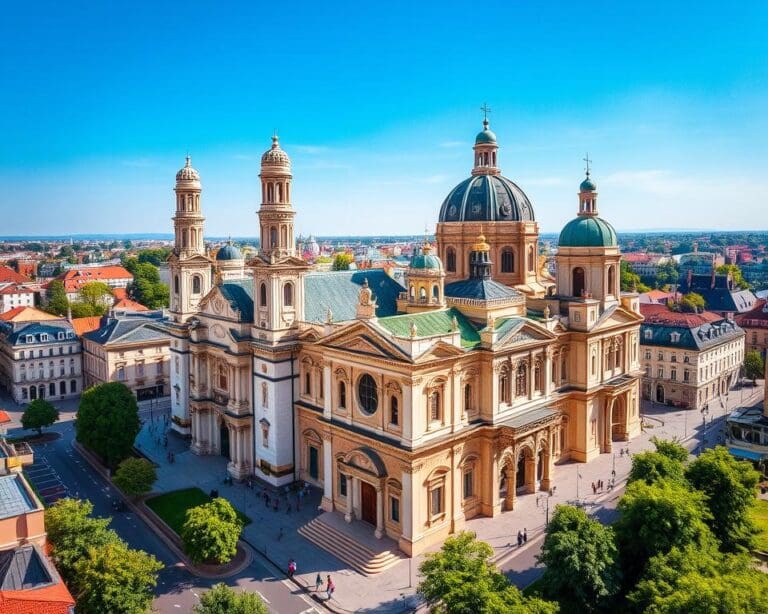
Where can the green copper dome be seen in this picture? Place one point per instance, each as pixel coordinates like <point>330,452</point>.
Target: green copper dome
<point>588,185</point>
<point>423,259</point>
<point>588,231</point>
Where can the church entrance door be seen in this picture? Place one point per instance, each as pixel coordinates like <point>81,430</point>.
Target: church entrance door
<point>368,503</point>
<point>224,434</point>
<point>659,393</point>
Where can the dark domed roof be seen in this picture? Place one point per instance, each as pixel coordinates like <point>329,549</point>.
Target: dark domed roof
<point>426,261</point>
<point>588,231</point>
<point>588,185</point>
<point>486,135</point>
<point>229,252</point>
<point>487,198</point>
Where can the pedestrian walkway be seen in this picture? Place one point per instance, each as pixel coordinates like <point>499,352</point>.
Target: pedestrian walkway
<point>274,532</point>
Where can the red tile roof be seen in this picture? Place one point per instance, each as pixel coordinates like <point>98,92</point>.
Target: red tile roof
<point>15,288</point>
<point>85,325</point>
<point>758,312</point>
<point>661,314</point>
<point>129,305</point>
<point>27,314</point>
<point>7,274</point>
<point>4,417</point>
<point>120,293</point>
<point>75,279</point>
<point>55,599</point>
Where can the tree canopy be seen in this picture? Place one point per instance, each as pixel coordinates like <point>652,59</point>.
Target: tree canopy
<point>692,303</point>
<point>754,368</point>
<point>341,262</point>
<point>221,599</point>
<point>38,414</point>
<point>580,559</point>
<point>210,532</point>
<point>146,287</point>
<point>630,280</point>
<point>97,294</point>
<point>135,476</point>
<point>735,271</point>
<point>730,486</point>
<point>671,449</point>
<point>108,421</point>
<point>652,467</point>
<point>57,298</point>
<point>460,579</point>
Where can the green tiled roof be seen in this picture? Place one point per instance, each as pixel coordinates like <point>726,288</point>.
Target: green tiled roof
<point>504,325</point>
<point>239,293</point>
<point>431,323</point>
<point>587,231</point>
<point>339,291</point>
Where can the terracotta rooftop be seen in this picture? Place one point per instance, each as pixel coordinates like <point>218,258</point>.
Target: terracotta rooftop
<point>85,325</point>
<point>758,312</point>
<point>75,279</point>
<point>120,293</point>
<point>27,314</point>
<point>7,274</point>
<point>15,288</point>
<point>661,314</point>
<point>129,305</point>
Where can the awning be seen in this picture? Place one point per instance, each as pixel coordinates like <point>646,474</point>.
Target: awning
<point>747,454</point>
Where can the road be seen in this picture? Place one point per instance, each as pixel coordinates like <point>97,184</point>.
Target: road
<point>60,470</point>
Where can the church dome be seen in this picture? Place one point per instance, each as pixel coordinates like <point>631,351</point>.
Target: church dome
<point>588,185</point>
<point>229,252</point>
<point>485,136</point>
<point>588,231</point>
<point>486,198</point>
<point>426,261</point>
<point>275,156</point>
<point>187,173</point>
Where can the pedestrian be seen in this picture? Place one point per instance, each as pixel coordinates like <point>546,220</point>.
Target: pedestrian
<point>525,536</point>
<point>594,489</point>
<point>291,568</point>
<point>330,588</point>
<point>519,539</point>
<point>318,582</point>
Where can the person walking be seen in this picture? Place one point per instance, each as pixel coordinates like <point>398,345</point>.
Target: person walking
<point>594,489</point>
<point>525,536</point>
<point>519,539</point>
<point>291,568</point>
<point>330,588</point>
<point>318,582</point>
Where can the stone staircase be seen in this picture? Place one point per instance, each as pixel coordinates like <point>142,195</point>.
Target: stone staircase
<point>361,558</point>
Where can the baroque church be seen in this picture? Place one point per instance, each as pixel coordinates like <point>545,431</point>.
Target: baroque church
<point>416,407</point>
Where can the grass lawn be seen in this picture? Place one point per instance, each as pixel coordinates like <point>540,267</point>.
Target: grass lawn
<point>172,507</point>
<point>759,514</point>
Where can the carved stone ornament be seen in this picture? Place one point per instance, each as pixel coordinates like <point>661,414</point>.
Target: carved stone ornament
<point>217,330</point>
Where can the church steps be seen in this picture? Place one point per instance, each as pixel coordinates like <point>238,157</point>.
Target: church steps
<point>343,547</point>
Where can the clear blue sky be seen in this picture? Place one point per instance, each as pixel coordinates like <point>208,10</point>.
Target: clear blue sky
<point>377,104</point>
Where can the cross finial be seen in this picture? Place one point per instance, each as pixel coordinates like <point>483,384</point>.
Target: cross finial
<point>588,161</point>
<point>485,109</point>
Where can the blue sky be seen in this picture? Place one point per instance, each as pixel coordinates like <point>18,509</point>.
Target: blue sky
<point>378,104</point>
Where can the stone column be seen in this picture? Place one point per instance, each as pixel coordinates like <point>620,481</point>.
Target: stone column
<point>328,392</point>
<point>379,532</point>
<point>546,475</point>
<point>530,474</point>
<point>349,513</point>
<point>407,417</point>
<point>407,511</point>
<point>607,430</point>
<point>510,474</point>
<point>547,383</point>
<point>530,375</point>
<point>327,502</point>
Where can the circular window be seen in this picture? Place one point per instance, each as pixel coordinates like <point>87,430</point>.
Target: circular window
<point>368,395</point>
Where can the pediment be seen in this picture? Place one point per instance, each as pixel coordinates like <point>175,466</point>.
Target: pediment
<point>360,338</point>
<point>440,350</point>
<point>193,259</point>
<point>527,332</point>
<point>617,317</point>
<point>215,305</point>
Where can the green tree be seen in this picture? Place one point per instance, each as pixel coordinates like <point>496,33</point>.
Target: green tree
<point>84,310</point>
<point>66,251</point>
<point>580,559</point>
<point>692,303</point>
<point>155,256</point>
<point>754,367</point>
<point>113,578</point>
<point>652,467</point>
<point>654,519</point>
<point>730,486</point>
<point>57,298</point>
<point>72,531</point>
<point>630,280</point>
<point>107,421</point>
<point>671,449</point>
<point>460,579</point>
<point>97,294</point>
<point>735,271</point>
<point>341,262</point>
<point>667,273</point>
<point>135,476</point>
<point>38,414</point>
<point>221,599</point>
<point>146,287</point>
<point>693,581</point>
<point>210,532</point>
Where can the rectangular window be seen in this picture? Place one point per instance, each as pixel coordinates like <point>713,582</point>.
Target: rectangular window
<point>159,368</point>
<point>140,369</point>
<point>394,509</point>
<point>469,487</point>
<point>686,375</point>
<point>661,355</point>
<point>120,374</point>
<point>436,501</point>
<point>73,386</point>
<point>660,372</point>
<point>314,471</point>
<point>342,485</point>
<point>673,374</point>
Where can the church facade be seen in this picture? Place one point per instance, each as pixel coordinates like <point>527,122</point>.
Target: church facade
<point>415,407</point>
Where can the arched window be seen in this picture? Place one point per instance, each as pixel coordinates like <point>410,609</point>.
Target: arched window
<point>521,381</point>
<point>307,382</point>
<point>422,295</point>
<point>342,395</point>
<point>394,411</point>
<point>263,295</point>
<point>435,410</point>
<point>563,369</point>
<point>450,260</point>
<point>272,237</point>
<point>537,383</point>
<point>611,280</point>
<point>368,394</point>
<point>467,398</point>
<point>221,373</point>
<point>504,387</point>
<point>413,292</point>
<point>507,261</point>
<point>52,389</point>
<point>288,294</point>
<point>435,292</point>
<point>578,281</point>
<point>531,258</point>
<point>196,284</point>
<point>176,284</point>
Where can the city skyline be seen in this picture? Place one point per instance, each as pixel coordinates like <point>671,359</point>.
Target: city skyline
<point>377,123</point>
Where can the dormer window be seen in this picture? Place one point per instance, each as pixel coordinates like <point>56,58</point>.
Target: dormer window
<point>30,339</point>
<point>674,337</point>
<point>43,336</point>
<point>648,333</point>
<point>61,336</point>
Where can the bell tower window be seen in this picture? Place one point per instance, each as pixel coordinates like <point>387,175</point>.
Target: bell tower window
<point>507,261</point>
<point>578,281</point>
<point>450,260</point>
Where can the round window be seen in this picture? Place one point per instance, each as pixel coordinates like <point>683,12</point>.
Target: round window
<point>367,394</point>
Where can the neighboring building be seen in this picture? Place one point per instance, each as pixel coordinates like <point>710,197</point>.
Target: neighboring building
<point>746,430</point>
<point>719,291</point>
<point>74,279</point>
<point>40,356</point>
<point>657,297</point>
<point>689,359</point>
<point>415,406</point>
<point>129,347</point>
<point>756,273</point>
<point>699,263</point>
<point>14,295</point>
<point>9,276</point>
<point>126,304</point>
<point>646,265</point>
<point>755,325</point>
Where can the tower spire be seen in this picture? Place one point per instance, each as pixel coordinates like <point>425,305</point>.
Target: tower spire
<point>486,148</point>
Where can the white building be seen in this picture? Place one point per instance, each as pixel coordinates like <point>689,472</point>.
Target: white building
<point>15,295</point>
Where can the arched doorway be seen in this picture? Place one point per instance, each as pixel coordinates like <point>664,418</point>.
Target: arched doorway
<point>33,392</point>
<point>224,440</point>
<point>659,393</point>
<point>41,391</point>
<point>619,420</point>
<point>578,281</point>
<point>520,473</point>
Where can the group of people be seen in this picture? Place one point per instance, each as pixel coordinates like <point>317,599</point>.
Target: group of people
<point>329,587</point>
<point>522,537</point>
